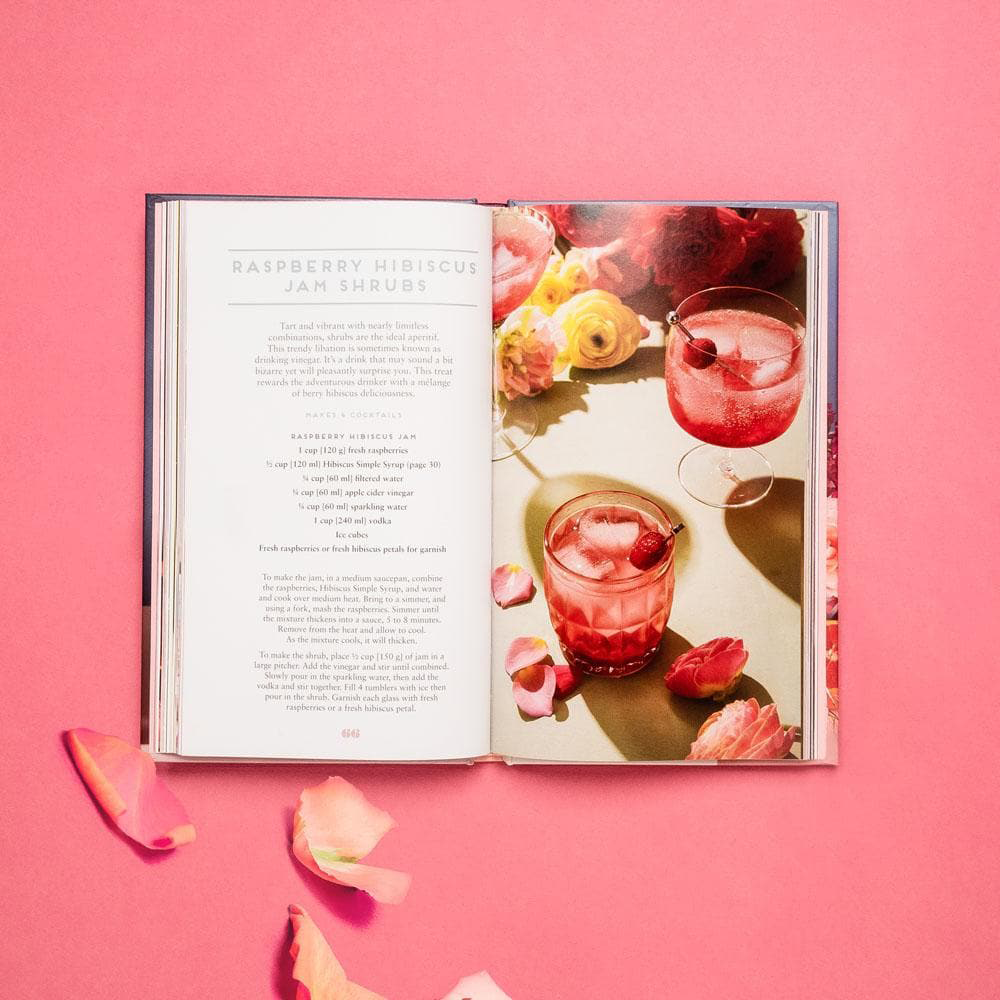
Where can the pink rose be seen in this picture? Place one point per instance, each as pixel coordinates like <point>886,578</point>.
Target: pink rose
<point>616,271</point>
<point>591,225</point>
<point>832,560</point>
<point>712,670</point>
<point>528,346</point>
<point>773,247</point>
<point>743,731</point>
<point>689,247</point>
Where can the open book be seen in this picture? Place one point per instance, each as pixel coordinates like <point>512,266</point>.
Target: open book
<point>449,481</point>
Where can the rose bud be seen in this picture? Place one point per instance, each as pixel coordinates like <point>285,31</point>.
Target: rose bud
<point>712,670</point>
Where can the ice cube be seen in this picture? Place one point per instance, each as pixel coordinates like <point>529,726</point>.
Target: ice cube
<point>505,260</point>
<point>768,373</point>
<point>612,538</point>
<point>582,559</point>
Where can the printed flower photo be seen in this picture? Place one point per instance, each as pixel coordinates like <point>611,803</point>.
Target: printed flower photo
<point>651,449</point>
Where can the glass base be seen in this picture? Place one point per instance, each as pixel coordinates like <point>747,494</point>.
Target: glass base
<point>601,668</point>
<point>725,477</point>
<point>514,425</point>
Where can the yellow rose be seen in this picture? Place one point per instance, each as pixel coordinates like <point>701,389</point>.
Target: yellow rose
<point>550,293</point>
<point>601,331</point>
<point>578,269</point>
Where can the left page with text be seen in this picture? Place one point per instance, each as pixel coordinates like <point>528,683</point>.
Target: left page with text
<point>334,488</point>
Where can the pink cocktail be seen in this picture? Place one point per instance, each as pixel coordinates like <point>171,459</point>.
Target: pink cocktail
<point>735,374</point>
<point>522,243</point>
<point>609,580</point>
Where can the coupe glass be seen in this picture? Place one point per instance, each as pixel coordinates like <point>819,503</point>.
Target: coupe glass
<point>522,242</point>
<point>735,373</point>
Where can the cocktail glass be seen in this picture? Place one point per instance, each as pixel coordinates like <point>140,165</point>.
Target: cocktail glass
<point>735,373</point>
<point>609,615</point>
<point>522,243</point>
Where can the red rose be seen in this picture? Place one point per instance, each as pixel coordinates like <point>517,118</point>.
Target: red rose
<point>774,247</point>
<point>689,247</point>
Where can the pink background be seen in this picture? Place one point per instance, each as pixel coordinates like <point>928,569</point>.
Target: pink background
<point>878,878</point>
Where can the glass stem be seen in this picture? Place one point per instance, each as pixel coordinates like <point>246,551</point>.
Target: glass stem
<point>726,466</point>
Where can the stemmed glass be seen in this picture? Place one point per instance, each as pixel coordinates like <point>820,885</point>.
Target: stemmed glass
<point>735,373</point>
<point>522,243</point>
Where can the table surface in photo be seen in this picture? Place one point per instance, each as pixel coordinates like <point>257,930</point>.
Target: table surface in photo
<point>738,571</point>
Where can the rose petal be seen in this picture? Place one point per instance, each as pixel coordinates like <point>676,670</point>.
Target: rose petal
<point>525,651</point>
<point>477,987</point>
<point>512,584</point>
<point>319,975</point>
<point>382,884</point>
<point>534,687</point>
<point>334,827</point>
<point>567,679</point>
<point>124,781</point>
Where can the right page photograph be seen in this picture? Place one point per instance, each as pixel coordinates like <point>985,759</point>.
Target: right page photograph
<point>660,474</point>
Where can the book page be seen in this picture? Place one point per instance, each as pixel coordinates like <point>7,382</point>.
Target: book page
<point>649,627</point>
<point>335,494</point>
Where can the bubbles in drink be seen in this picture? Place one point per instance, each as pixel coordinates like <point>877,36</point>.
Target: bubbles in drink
<point>751,394</point>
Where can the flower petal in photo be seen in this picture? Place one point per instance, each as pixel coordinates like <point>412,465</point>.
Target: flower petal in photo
<point>525,651</point>
<point>532,674</point>
<point>534,688</point>
<point>568,679</point>
<point>334,827</point>
<point>478,987</point>
<point>512,584</point>
<point>318,973</point>
<point>711,670</point>
<point>743,731</point>
<point>123,780</point>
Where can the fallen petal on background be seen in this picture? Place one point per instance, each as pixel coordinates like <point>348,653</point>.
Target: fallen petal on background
<point>124,781</point>
<point>319,975</point>
<point>567,679</point>
<point>525,651</point>
<point>512,584</point>
<point>334,827</point>
<point>383,884</point>
<point>477,987</point>
<point>534,687</point>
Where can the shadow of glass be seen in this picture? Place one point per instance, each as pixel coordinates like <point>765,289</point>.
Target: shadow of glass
<point>643,719</point>
<point>553,492</point>
<point>769,534</point>
<point>647,362</point>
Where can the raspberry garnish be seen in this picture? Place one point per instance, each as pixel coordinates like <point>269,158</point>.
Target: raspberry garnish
<point>648,550</point>
<point>700,353</point>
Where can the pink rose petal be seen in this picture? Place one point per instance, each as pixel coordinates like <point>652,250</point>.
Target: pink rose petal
<point>334,827</point>
<point>319,975</point>
<point>512,584</point>
<point>477,987</point>
<point>525,651</point>
<point>124,781</point>
<point>534,688</point>
<point>567,679</point>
